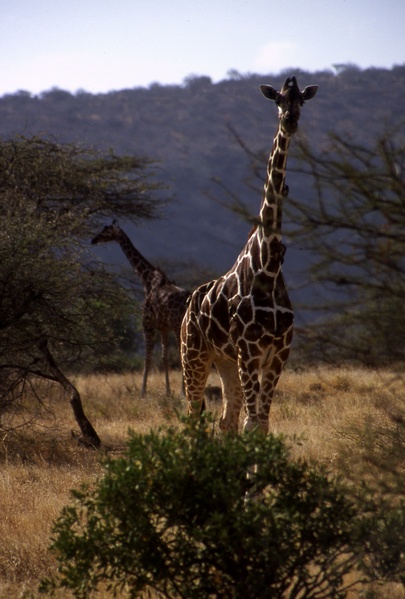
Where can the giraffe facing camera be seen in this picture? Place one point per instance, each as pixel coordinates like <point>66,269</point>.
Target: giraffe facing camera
<point>243,321</point>
<point>289,101</point>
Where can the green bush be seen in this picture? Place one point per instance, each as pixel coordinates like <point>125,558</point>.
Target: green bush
<point>173,517</point>
<point>382,536</point>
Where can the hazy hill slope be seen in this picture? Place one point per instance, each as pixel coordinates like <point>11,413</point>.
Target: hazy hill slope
<point>185,128</point>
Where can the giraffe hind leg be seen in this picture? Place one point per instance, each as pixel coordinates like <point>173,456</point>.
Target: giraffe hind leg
<point>149,337</point>
<point>195,390</point>
<point>196,368</point>
<point>232,395</point>
<point>165,360</point>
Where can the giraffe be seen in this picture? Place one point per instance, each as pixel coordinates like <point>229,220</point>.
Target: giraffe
<point>243,321</point>
<point>164,304</point>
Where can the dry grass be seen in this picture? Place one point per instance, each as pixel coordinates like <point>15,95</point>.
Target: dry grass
<point>41,463</point>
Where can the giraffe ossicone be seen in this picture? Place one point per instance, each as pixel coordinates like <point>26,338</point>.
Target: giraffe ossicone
<point>243,321</point>
<point>164,304</point>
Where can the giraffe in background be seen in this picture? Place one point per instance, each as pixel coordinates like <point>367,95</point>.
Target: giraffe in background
<point>164,304</point>
<point>243,321</point>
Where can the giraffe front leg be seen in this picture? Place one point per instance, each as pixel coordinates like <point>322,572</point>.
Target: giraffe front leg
<point>269,382</point>
<point>249,373</point>
<point>270,378</point>
<point>165,359</point>
<point>149,337</point>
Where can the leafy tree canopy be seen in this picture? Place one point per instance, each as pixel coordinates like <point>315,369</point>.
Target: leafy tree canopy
<point>58,308</point>
<point>76,188</point>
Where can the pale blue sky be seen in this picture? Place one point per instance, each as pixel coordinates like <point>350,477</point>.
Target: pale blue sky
<point>102,45</point>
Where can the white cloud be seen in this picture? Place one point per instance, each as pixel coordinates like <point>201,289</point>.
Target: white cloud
<point>276,56</point>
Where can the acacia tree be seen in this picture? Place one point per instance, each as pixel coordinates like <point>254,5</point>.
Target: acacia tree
<point>57,307</point>
<point>355,227</point>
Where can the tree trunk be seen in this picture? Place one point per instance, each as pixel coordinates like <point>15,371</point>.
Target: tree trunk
<point>90,437</point>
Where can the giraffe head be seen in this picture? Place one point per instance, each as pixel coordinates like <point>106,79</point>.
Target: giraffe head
<point>109,233</point>
<point>289,101</point>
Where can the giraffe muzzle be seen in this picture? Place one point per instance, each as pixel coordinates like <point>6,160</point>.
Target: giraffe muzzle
<point>290,124</point>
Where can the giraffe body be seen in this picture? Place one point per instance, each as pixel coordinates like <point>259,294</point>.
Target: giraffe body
<point>164,304</point>
<point>243,321</point>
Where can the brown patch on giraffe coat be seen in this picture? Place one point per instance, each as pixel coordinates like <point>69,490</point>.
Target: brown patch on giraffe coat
<point>220,310</point>
<point>243,346</point>
<point>283,355</point>
<point>279,161</point>
<point>282,142</point>
<point>284,321</point>
<point>277,180</point>
<point>242,311</point>
<point>263,287</point>
<point>218,333</point>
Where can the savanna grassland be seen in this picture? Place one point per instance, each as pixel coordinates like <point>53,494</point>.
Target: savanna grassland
<point>339,417</point>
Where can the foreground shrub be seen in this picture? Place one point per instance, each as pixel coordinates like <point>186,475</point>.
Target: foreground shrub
<point>381,536</point>
<point>173,516</point>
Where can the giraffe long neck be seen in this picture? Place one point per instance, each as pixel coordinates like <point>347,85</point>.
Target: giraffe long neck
<point>274,187</point>
<point>141,265</point>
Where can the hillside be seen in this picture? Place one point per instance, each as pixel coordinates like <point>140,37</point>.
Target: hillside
<point>186,128</point>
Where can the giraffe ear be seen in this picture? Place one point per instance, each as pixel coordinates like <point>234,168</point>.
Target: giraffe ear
<point>269,92</point>
<point>309,92</point>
